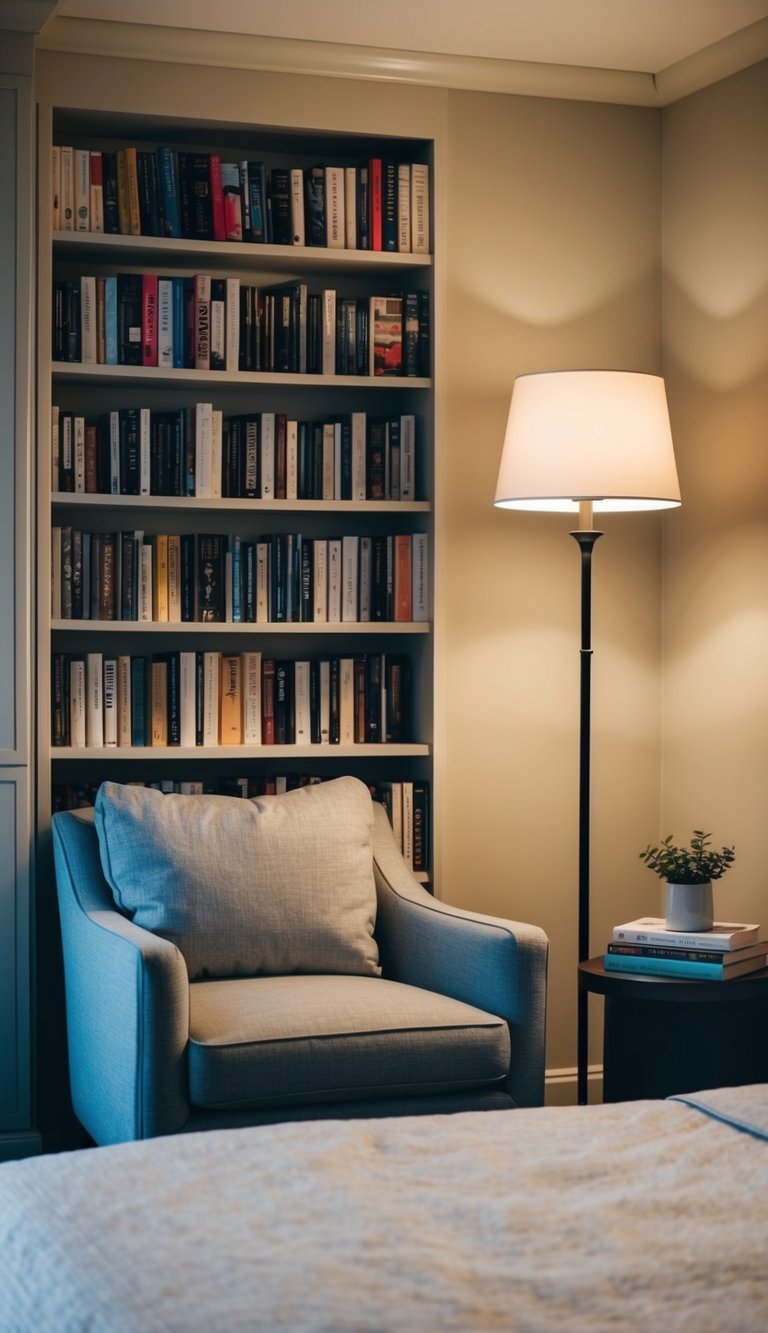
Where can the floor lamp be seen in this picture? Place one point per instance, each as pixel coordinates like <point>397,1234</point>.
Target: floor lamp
<point>579,442</point>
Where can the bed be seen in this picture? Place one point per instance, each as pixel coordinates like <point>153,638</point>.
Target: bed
<point>644,1215</point>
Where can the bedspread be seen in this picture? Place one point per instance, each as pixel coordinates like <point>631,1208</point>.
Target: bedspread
<point>646,1215</point>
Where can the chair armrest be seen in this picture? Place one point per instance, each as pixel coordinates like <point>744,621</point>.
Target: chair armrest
<point>127,997</point>
<point>499,966</point>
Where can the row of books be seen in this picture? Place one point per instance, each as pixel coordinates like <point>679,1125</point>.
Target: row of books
<point>197,451</point>
<point>646,947</point>
<point>201,698</point>
<point>224,578</point>
<point>378,204</point>
<point>407,802</point>
<point>223,324</point>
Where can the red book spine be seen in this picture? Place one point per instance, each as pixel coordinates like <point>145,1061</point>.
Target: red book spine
<point>374,191</point>
<point>217,198</point>
<point>149,319</point>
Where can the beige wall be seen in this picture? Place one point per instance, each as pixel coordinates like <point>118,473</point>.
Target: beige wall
<point>715,682</point>
<point>553,262</point>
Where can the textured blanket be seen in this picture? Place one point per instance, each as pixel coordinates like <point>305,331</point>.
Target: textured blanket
<point>647,1215</point>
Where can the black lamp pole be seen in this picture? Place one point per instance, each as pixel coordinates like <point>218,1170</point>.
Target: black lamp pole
<point>586,539</point>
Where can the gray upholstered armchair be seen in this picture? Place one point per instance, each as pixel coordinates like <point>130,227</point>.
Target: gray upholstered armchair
<point>234,962</point>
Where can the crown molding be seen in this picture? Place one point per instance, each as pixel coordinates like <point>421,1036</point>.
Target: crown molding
<point>133,41</point>
<point>713,63</point>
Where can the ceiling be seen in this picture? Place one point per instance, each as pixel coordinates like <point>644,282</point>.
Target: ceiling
<point>639,35</point>
<point>646,52</point>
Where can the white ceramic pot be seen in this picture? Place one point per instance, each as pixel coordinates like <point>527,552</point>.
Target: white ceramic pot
<point>689,907</point>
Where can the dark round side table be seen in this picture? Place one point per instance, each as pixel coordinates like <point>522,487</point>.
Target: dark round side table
<point>666,1035</point>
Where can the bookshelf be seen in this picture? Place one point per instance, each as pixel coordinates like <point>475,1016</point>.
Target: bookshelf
<point>94,390</point>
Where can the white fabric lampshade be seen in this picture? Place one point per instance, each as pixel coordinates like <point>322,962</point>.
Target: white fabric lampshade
<point>596,435</point>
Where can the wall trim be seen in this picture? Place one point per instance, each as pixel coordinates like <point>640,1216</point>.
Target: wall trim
<point>560,1086</point>
<point>136,41</point>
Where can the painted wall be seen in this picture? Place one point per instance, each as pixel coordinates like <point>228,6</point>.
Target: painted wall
<point>553,263</point>
<point>715,678</point>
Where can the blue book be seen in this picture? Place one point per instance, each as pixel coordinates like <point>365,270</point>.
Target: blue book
<point>683,968</point>
<point>168,183</point>
<point>110,320</point>
<point>237,605</point>
<point>178,322</point>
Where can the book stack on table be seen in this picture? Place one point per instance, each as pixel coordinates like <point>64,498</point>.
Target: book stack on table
<point>726,951</point>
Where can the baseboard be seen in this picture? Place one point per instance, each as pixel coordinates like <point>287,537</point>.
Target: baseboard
<point>26,1144</point>
<point>560,1087</point>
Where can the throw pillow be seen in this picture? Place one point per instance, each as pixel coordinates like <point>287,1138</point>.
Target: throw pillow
<point>271,885</point>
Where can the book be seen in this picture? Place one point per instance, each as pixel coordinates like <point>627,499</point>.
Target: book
<point>651,930</point>
<point>725,957</point>
<point>681,968</point>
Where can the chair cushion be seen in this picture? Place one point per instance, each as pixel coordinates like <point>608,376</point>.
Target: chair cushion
<point>271,1040</point>
<point>273,885</point>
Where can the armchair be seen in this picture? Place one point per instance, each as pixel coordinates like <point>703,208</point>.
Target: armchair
<point>378,1000</point>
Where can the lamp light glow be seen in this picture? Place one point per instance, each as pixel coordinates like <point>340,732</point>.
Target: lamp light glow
<point>597,435</point>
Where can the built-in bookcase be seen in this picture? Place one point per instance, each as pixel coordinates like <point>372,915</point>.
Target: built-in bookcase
<point>93,390</point>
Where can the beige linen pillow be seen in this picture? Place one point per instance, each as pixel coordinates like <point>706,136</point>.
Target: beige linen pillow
<point>272,885</point>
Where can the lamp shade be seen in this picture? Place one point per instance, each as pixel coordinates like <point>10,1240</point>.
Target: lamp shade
<point>596,435</point>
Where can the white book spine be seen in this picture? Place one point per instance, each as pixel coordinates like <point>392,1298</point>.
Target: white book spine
<point>79,455</point>
<point>420,576</point>
<point>211,673</point>
<point>165,321</point>
<point>232,339</point>
<point>267,456</point>
<point>94,715</point>
<point>347,701</point>
<point>329,331</point>
<point>203,449</point>
<point>302,715</point>
<point>251,677</point>
<point>292,460</point>
<point>145,583</point>
<point>334,580</point>
<point>297,206</point>
<point>67,157</point>
<point>217,444</point>
<point>77,703</point>
<point>187,697</point>
<point>358,455</point>
<point>420,208</point>
<point>320,580</point>
<point>145,442</point>
<point>110,701</point>
<point>262,583</point>
<point>350,555</point>
<point>114,453</point>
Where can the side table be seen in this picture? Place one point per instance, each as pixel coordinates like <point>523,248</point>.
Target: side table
<point>667,1035</point>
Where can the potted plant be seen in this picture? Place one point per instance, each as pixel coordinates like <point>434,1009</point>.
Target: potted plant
<point>688,872</point>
